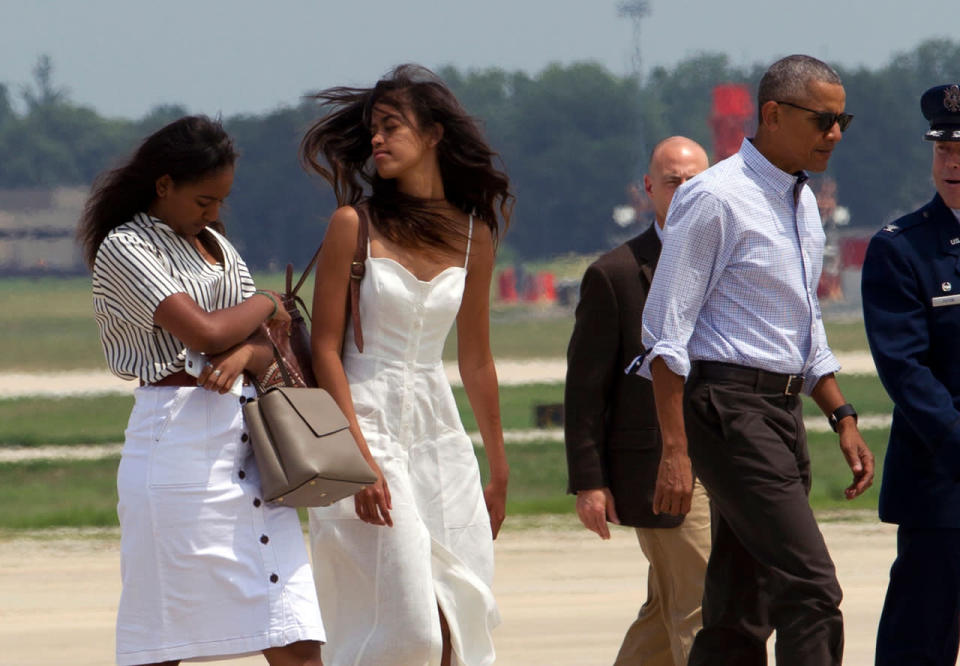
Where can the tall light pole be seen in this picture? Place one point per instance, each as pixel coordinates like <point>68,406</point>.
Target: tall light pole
<point>635,11</point>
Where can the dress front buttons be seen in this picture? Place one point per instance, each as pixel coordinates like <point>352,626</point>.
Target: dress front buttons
<point>257,502</point>
<point>264,539</point>
<point>242,474</point>
<point>274,578</point>
<point>244,437</point>
<point>242,399</point>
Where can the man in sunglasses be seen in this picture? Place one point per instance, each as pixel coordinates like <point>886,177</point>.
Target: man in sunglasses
<point>911,309</point>
<point>733,311</point>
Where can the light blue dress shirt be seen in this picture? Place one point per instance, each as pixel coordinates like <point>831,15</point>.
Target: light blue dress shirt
<point>738,273</point>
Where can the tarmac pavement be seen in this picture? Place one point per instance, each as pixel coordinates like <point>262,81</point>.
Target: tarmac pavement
<point>566,596</point>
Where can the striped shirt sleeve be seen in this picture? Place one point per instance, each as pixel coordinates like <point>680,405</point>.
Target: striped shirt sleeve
<point>135,278</point>
<point>247,286</point>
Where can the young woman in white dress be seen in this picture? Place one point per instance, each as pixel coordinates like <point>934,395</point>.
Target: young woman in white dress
<point>208,569</point>
<point>404,568</point>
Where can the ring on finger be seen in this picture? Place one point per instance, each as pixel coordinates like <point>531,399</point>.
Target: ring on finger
<point>217,373</point>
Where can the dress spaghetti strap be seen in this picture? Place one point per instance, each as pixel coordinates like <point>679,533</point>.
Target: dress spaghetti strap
<point>466,259</point>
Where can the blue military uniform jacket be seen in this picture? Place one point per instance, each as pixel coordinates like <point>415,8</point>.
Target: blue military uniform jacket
<point>911,309</point>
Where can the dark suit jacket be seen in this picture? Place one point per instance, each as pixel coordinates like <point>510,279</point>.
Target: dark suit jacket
<point>911,309</point>
<point>610,420</point>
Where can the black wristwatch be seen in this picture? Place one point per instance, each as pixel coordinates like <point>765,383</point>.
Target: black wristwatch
<point>841,412</point>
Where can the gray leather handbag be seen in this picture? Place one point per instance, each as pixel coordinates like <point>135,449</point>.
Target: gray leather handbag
<point>304,450</point>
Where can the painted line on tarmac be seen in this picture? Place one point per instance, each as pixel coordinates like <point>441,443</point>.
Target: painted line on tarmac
<point>510,372</point>
<point>816,424</point>
<point>66,452</point>
<point>555,435</point>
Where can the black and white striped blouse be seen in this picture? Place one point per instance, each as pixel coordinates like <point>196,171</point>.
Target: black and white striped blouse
<point>138,265</point>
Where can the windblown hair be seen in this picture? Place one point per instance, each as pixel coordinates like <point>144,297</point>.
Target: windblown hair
<point>789,79</point>
<point>342,139</point>
<point>188,150</point>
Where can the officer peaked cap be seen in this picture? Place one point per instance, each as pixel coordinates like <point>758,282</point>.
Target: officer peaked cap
<point>941,106</point>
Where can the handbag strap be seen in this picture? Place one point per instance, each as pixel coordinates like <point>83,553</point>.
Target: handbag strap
<point>358,269</point>
<point>291,292</point>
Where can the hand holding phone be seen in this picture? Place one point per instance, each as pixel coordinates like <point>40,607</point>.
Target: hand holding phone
<point>195,362</point>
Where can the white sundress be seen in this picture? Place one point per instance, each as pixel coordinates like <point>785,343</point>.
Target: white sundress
<point>379,587</point>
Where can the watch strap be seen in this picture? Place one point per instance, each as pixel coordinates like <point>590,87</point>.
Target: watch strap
<point>841,412</point>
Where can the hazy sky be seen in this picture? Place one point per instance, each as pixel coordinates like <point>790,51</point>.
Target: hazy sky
<point>246,56</point>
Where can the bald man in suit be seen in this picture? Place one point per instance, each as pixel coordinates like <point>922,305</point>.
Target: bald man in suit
<point>611,431</point>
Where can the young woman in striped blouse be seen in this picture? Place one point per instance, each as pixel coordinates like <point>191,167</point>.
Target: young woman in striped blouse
<point>209,570</point>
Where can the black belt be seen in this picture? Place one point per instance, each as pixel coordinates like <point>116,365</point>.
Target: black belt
<point>761,381</point>
<point>181,378</point>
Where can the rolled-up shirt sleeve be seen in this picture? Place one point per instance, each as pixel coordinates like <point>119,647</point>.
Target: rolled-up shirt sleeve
<point>685,275</point>
<point>824,362</point>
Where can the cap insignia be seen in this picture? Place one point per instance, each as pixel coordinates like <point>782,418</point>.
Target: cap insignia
<point>951,98</point>
<point>955,241</point>
<point>891,228</point>
<point>946,286</point>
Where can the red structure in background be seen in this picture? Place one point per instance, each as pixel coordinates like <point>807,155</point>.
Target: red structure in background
<point>852,251</point>
<point>530,288</point>
<point>730,119</point>
<point>507,286</point>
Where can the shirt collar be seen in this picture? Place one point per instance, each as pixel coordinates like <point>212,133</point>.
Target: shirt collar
<point>660,231</point>
<point>956,213</point>
<point>148,220</point>
<point>776,178</point>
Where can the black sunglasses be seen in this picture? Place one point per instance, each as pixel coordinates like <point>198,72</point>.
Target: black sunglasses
<point>825,119</point>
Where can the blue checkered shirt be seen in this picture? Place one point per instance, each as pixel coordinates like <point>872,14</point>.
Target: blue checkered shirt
<point>737,276</point>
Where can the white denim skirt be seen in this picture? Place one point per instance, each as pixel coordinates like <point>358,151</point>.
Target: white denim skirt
<point>209,569</point>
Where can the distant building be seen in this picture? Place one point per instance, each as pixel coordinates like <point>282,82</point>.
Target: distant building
<point>37,231</point>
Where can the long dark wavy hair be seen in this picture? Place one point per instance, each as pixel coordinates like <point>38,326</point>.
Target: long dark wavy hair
<point>188,150</point>
<point>470,181</point>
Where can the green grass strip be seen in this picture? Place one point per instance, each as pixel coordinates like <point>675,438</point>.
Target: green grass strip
<point>48,325</point>
<point>83,493</point>
<point>102,419</point>
<point>64,421</point>
<point>40,494</point>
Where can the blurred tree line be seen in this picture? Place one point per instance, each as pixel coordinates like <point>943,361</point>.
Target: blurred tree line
<point>571,137</point>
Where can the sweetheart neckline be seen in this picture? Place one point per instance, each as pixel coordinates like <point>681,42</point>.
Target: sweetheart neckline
<point>410,273</point>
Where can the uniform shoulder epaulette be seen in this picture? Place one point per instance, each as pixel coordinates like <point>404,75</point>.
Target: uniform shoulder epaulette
<point>907,221</point>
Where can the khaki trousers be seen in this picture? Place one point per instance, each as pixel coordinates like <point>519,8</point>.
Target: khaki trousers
<point>663,632</point>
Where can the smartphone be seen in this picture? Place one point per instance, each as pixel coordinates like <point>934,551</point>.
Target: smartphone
<point>195,362</point>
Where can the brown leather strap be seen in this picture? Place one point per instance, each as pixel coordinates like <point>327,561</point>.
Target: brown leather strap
<point>357,270</point>
<point>291,290</point>
<point>180,378</point>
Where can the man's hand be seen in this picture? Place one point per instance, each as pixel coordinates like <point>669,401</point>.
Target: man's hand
<point>674,489</point>
<point>595,507</point>
<point>828,397</point>
<point>858,457</point>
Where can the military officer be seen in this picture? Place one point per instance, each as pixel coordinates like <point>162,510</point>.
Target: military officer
<point>911,309</point>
